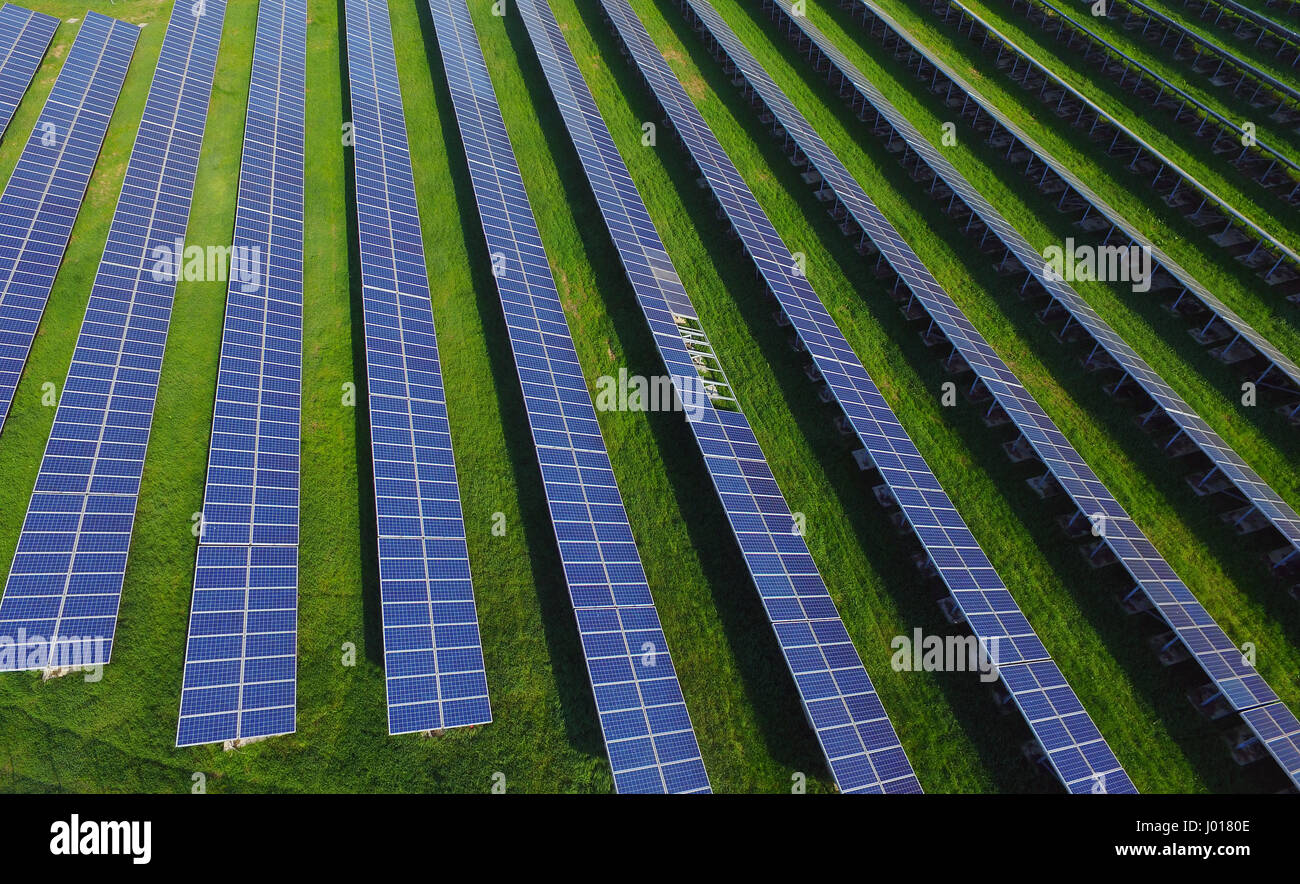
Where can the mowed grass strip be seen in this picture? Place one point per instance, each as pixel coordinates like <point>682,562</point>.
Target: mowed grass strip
<point>1124,459</point>
<point>1262,436</point>
<point>1125,191</point>
<point>118,734</point>
<point>1243,47</point>
<point>1265,208</point>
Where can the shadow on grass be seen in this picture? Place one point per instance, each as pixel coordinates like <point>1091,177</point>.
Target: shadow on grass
<point>1091,590</point>
<point>1172,328</point>
<point>578,707</point>
<point>368,521</point>
<point>1241,558</point>
<point>766,680</point>
<point>814,423</point>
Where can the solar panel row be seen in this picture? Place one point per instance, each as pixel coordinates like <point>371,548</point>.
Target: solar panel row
<point>65,583</point>
<point>643,716</point>
<point>1288,39</point>
<point>1234,677</point>
<point>1275,253</point>
<point>24,38</point>
<point>861,748</point>
<point>241,655</point>
<point>1074,748</point>
<point>1172,28</point>
<point>1251,486</point>
<point>433,657</point>
<point>43,197</point>
<point>1243,334</point>
<point>1243,145</point>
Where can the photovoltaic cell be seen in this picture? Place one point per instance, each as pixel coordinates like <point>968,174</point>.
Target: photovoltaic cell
<point>1277,360</point>
<point>65,584</point>
<point>861,747</point>
<point>44,195</point>
<point>1074,747</point>
<point>433,656</point>
<point>643,716</point>
<point>1279,732</point>
<point>241,655</point>
<point>1230,464</point>
<point>1223,662</point>
<point>24,38</point>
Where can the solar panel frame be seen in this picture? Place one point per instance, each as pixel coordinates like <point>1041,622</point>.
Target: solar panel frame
<point>1250,484</point>
<point>25,36</point>
<point>43,197</point>
<point>862,750</point>
<point>240,676</point>
<point>1225,123</point>
<point>435,674</point>
<point>643,716</point>
<point>1221,660</point>
<point>65,583</point>
<point>1077,753</point>
<point>1284,91</point>
<point>1275,357</point>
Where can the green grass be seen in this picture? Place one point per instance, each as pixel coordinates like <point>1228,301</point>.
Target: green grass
<point>1098,431</point>
<point>1161,59</point>
<point>1246,49</point>
<point>1265,208</point>
<point>117,735</point>
<point>1226,278</point>
<point>1265,439</point>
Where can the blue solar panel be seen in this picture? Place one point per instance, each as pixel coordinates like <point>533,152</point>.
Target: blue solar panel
<point>66,578</point>
<point>1171,27</point>
<point>1234,677</point>
<point>1279,731</point>
<point>43,197</point>
<point>643,716</point>
<point>433,655</point>
<point>1074,747</point>
<point>861,748</point>
<point>240,659</point>
<point>1252,487</point>
<point>24,37</point>
<point>1277,361</point>
<point>1230,127</point>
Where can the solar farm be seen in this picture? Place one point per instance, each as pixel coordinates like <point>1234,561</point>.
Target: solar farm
<point>650,396</point>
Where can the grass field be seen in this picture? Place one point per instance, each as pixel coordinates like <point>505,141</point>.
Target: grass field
<point>118,734</point>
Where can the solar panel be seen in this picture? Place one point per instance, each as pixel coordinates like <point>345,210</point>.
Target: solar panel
<point>1277,361</point>
<point>433,657</point>
<point>1266,24</point>
<point>24,37</point>
<point>643,716</point>
<point>861,748</point>
<point>65,583</point>
<point>1279,731</point>
<point>1226,461</point>
<point>1262,78</point>
<point>43,197</point>
<point>240,658</point>
<point>1233,129</point>
<point>1223,663</point>
<point>1074,747</point>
